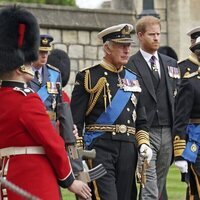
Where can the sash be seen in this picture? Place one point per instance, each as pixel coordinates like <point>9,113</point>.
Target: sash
<point>113,110</point>
<point>42,92</point>
<point>193,144</point>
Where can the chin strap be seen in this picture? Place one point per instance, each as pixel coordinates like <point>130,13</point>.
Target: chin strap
<point>27,70</point>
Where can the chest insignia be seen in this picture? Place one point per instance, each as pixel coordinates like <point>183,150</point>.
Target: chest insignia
<point>52,87</point>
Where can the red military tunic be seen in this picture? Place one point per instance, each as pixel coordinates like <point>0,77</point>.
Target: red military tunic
<point>23,123</point>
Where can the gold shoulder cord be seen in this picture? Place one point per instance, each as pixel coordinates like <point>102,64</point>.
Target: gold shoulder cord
<point>95,91</point>
<point>190,75</point>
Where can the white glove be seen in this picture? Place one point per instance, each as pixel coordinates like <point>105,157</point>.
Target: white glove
<point>146,152</point>
<point>182,165</point>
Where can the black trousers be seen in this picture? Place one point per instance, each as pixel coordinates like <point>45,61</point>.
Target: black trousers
<point>194,180</point>
<point>120,160</point>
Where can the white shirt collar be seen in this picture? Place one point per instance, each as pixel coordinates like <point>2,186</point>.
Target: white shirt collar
<point>147,56</point>
<point>39,70</point>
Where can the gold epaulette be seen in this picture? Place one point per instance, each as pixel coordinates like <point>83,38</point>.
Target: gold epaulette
<point>142,137</point>
<point>179,146</point>
<point>180,61</point>
<point>86,68</point>
<point>52,67</point>
<point>193,58</point>
<point>190,75</point>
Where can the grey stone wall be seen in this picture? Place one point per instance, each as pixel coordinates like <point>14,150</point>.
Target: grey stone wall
<point>75,30</point>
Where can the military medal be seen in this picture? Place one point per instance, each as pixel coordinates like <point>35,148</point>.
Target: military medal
<point>53,103</point>
<point>173,72</point>
<point>52,88</point>
<point>134,100</point>
<point>134,115</point>
<point>130,85</point>
<point>120,84</point>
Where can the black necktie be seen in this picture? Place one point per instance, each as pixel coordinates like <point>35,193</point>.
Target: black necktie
<point>37,75</point>
<point>154,68</point>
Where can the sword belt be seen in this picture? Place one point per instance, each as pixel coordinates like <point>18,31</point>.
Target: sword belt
<point>114,129</point>
<point>195,121</point>
<point>12,151</point>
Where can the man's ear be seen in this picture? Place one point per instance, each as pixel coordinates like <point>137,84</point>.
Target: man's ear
<point>19,71</point>
<point>107,48</point>
<point>139,34</point>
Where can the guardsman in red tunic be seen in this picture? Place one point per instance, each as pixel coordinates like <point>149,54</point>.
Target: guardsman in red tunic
<point>32,154</point>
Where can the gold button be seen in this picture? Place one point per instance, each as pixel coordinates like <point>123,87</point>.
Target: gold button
<point>113,133</point>
<point>128,121</point>
<point>128,109</point>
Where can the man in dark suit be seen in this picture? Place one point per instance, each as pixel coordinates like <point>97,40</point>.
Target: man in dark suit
<point>158,77</point>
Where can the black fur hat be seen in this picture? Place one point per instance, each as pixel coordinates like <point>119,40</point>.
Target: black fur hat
<point>19,38</point>
<point>59,59</point>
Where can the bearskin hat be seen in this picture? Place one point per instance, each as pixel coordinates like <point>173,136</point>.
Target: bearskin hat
<point>19,38</point>
<point>59,59</point>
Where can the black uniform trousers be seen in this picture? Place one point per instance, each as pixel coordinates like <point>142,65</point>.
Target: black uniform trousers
<point>119,159</point>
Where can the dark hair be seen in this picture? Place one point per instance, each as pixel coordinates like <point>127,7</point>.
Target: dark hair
<point>166,50</point>
<point>59,59</point>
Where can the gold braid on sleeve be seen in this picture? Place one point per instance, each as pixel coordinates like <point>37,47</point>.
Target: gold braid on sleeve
<point>142,137</point>
<point>102,85</point>
<point>179,146</point>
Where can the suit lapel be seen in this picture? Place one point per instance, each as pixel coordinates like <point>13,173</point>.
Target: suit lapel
<point>165,64</point>
<point>143,70</point>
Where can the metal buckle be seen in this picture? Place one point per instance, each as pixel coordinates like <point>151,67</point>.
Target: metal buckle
<point>122,128</point>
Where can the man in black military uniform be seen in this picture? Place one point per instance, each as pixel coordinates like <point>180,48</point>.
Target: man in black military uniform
<point>106,102</point>
<point>47,78</point>
<point>191,63</point>
<point>186,127</point>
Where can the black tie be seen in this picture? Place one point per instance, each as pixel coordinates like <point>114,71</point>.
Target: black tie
<point>154,68</point>
<point>37,75</point>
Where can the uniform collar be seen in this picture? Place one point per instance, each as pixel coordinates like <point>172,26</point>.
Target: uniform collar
<point>13,84</point>
<point>105,64</point>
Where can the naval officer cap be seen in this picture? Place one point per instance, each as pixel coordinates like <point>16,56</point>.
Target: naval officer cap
<point>196,45</point>
<point>45,42</point>
<point>119,33</point>
<point>194,33</point>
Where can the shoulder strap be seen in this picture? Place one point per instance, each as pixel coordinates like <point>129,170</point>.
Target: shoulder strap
<point>118,103</point>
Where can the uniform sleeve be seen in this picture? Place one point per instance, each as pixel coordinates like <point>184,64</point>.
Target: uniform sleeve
<point>37,123</point>
<point>79,102</point>
<point>183,107</point>
<point>142,135</point>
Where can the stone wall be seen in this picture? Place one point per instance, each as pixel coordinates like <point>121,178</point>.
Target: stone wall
<point>75,30</point>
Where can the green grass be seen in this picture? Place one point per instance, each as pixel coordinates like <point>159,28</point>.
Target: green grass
<point>175,188</point>
<point>67,195</point>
